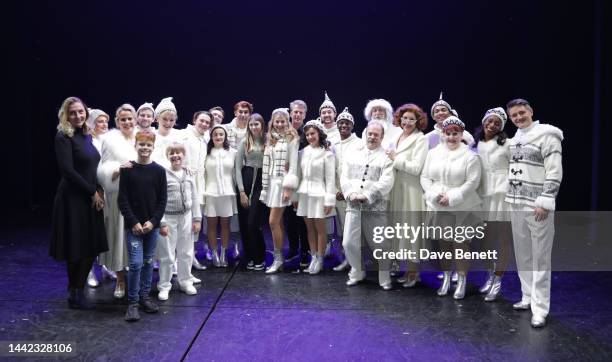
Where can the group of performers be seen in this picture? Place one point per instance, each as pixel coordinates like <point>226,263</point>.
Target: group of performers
<point>134,194</point>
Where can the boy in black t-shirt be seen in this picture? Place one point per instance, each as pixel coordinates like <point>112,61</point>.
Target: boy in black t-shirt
<point>142,201</point>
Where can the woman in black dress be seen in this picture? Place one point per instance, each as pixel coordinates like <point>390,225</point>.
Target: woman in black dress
<point>78,234</point>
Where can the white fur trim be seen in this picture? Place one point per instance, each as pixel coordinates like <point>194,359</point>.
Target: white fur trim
<point>547,203</point>
<point>291,181</point>
<point>379,103</point>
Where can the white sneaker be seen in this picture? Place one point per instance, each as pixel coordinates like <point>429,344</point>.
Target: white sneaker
<point>163,294</point>
<point>189,289</point>
<point>195,280</point>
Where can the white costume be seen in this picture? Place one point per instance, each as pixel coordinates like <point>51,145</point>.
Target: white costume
<point>333,135</point>
<point>116,150</point>
<point>182,209</point>
<point>235,134</point>
<point>219,193</point>
<point>317,173</point>
<point>368,173</point>
<point>342,150</point>
<point>391,132</point>
<point>195,147</point>
<point>534,176</point>
<point>454,172</point>
<point>406,200</point>
<point>280,163</point>
<point>494,183</point>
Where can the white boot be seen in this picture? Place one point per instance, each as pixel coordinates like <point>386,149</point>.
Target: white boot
<point>277,265</point>
<point>318,265</point>
<point>223,257</point>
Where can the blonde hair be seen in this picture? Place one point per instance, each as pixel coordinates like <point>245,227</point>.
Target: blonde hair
<point>125,107</point>
<point>290,133</point>
<point>157,116</point>
<point>64,125</point>
<point>176,146</point>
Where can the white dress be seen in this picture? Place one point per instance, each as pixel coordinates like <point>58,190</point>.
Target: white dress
<point>115,151</point>
<point>494,182</point>
<point>219,193</point>
<point>279,171</point>
<point>406,202</point>
<point>317,182</point>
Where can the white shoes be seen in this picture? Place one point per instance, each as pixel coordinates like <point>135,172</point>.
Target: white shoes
<point>522,305</point>
<point>446,282</point>
<point>215,259</point>
<point>119,290</point>
<point>92,281</point>
<point>189,289</point>
<point>494,290</point>
<point>163,294</point>
<point>410,283</point>
<point>223,258</point>
<point>538,322</point>
<point>277,265</point>
<point>313,260</point>
<point>342,266</point>
<point>460,288</point>
<point>195,280</point>
<point>317,266</point>
<point>197,265</point>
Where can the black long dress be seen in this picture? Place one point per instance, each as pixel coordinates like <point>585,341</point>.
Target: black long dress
<point>78,229</point>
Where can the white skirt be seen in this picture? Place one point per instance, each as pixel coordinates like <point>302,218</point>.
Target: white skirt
<point>274,197</point>
<point>220,206</point>
<point>495,208</point>
<point>312,207</point>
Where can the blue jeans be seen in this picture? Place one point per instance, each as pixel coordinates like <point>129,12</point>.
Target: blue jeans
<point>141,251</point>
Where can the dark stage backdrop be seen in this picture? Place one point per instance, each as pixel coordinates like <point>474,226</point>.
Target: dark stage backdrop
<point>205,53</point>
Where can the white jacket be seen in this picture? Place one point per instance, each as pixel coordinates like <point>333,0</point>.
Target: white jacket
<point>390,136</point>
<point>454,172</point>
<point>195,146</point>
<point>115,151</point>
<point>317,174</point>
<point>219,172</point>
<point>344,148</point>
<point>368,173</point>
<point>333,135</point>
<point>536,170</point>
<point>495,160</point>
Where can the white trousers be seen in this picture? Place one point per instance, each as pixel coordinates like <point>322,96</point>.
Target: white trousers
<point>340,215</point>
<point>356,225</point>
<point>533,242</point>
<point>178,245</point>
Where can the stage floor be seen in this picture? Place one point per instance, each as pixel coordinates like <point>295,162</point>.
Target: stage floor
<point>246,315</point>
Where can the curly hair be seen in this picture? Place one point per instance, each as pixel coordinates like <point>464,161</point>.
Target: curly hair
<point>64,125</point>
<point>290,132</point>
<point>421,116</point>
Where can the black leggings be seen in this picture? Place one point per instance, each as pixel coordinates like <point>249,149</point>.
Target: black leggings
<point>78,271</point>
<point>252,219</point>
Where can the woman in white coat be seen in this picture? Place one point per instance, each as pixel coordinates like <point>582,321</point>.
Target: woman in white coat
<point>317,190</point>
<point>117,149</point>
<point>219,191</point>
<point>494,153</point>
<point>450,178</point>
<point>406,202</point>
<point>279,177</point>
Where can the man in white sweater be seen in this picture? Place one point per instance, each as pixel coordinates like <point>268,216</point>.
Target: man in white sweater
<point>534,179</point>
<point>366,181</point>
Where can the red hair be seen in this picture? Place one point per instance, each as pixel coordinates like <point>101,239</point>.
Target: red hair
<point>145,135</point>
<point>421,116</point>
<point>243,104</point>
